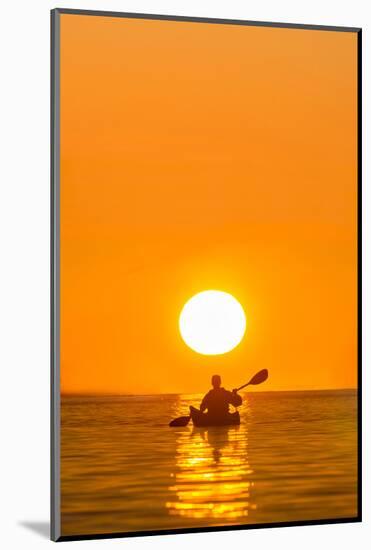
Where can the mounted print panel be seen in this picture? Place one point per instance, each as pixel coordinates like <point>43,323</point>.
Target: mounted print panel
<point>205,281</point>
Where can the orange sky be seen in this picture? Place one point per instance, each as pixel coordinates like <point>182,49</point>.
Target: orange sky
<point>198,156</point>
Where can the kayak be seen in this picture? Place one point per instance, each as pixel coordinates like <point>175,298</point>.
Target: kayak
<point>202,419</point>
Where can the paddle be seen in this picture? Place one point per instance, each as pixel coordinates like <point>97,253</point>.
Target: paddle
<point>180,421</point>
<point>258,378</point>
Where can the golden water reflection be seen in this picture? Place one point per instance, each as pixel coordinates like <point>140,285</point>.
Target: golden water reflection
<point>212,479</point>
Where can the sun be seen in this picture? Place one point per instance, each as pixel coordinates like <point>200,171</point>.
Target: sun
<point>212,322</point>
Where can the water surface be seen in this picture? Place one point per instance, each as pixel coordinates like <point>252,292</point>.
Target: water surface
<point>293,458</point>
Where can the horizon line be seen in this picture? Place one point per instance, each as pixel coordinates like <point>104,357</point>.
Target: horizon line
<point>132,394</point>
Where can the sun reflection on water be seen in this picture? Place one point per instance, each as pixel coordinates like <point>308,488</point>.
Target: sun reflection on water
<point>212,478</point>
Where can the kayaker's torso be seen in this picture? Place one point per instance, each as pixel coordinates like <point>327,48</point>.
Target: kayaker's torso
<point>217,402</point>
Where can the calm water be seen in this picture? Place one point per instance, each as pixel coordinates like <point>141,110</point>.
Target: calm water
<point>293,458</point>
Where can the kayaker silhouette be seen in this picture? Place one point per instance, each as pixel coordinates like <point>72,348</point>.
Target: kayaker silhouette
<point>216,402</point>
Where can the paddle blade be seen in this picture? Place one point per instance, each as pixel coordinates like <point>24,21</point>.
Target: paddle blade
<point>259,377</point>
<point>180,421</point>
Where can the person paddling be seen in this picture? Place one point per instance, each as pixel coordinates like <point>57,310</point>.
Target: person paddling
<point>216,402</point>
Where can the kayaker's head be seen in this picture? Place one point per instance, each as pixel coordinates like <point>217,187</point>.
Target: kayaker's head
<point>216,381</point>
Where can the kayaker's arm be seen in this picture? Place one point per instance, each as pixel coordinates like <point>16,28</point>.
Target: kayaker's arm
<point>236,400</point>
<point>204,403</point>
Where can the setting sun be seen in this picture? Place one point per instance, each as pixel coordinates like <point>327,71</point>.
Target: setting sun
<point>212,322</point>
